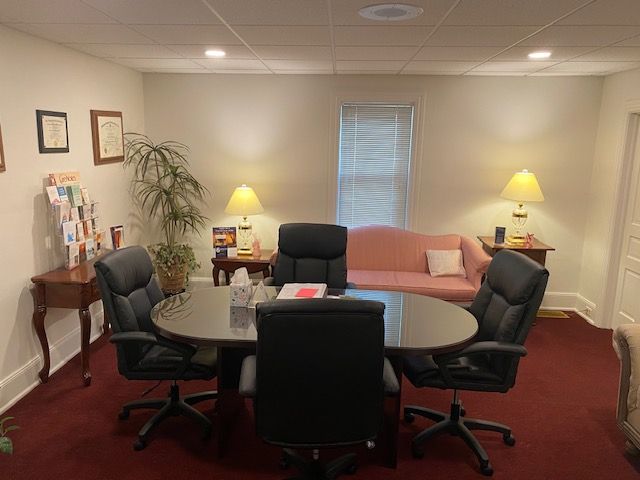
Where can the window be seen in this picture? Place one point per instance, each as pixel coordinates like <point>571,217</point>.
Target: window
<point>373,169</point>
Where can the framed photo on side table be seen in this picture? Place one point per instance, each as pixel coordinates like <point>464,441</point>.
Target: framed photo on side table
<point>2,164</point>
<point>108,137</point>
<point>53,134</point>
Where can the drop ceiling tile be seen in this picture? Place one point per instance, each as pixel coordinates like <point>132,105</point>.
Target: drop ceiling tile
<point>368,66</point>
<point>242,72</point>
<point>375,53</point>
<point>304,72</point>
<point>501,12</point>
<point>345,12</point>
<point>479,36</point>
<point>308,65</point>
<point>523,67</point>
<point>156,11</point>
<point>77,33</point>
<point>284,35</point>
<point>153,63</point>
<point>421,66</point>
<point>557,53</point>
<point>475,73</point>
<point>612,54</point>
<point>189,34</point>
<point>606,12</point>
<point>571,36</point>
<point>383,35</point>
<point>51,11</point>
<point>197,51</point>
<point>293,52</point>
<point>124,50</point>
<point>174,70</point>
<point>630,42</point>
<point>595,68</point>
<point>273,12</point>
<point>457,53</point>
<point>231,64</point>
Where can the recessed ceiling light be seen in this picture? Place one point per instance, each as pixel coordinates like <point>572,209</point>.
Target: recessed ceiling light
<point>215,53</point>
<point>539,55</point>
<point>390,12</point>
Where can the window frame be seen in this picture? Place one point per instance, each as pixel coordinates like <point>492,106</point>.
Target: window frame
<point>413,186</point>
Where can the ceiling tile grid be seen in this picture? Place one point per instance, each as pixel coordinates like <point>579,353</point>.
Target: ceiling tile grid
<point>450,37</point>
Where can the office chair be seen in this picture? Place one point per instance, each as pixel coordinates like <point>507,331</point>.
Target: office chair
<point>505,307</point>
<point>311,253</point>
<point>129,291</point>
<point>318,378</point>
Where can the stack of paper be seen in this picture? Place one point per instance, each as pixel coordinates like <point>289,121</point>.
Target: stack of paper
<point>303,290</point>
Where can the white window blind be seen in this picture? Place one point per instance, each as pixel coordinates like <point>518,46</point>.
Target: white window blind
<point>374,158</point>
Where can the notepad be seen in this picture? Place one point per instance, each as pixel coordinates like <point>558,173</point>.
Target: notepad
<point>302,290</point>
<point>306,292</point>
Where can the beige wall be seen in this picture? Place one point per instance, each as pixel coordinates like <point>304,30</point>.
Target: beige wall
<point>275,134</point>
<point>621,93</point>
<point>35,74</point>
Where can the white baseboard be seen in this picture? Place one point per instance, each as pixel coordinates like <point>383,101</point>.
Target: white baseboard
<point>24,379</point>
<point>585,308</point>
<point>559,301</point>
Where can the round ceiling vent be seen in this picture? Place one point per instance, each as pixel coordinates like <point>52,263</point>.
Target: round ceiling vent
<point>390,12</point>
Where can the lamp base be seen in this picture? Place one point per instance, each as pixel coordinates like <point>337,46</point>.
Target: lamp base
<point>245,237</point>
<point>516,240</point>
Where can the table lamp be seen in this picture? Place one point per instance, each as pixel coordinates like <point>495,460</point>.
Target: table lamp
<point>244,202</point>
<point>523,187</point>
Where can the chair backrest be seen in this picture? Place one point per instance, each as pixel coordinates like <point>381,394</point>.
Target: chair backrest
<point>319,371</point>
<point>311,253</point>
<point>507,303</point>
<point>129,291</point>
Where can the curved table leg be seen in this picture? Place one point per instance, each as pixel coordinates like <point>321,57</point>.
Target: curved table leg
<point>85,331</point>
<point>38,322</point>
<point>216,276</point>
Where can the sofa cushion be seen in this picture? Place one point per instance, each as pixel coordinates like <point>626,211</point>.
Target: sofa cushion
<point>445,263</point>
<point>457,289</point>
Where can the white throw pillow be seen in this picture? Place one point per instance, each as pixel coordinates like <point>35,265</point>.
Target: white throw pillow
<point>445,263</point>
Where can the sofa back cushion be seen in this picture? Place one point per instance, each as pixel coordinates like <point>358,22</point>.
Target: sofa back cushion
<point>378,247</point>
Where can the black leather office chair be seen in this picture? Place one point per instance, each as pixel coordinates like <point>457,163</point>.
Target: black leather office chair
<point>505,307</point>
<point>311,253</point>
<point>319,378</point>
<point>129,291</point>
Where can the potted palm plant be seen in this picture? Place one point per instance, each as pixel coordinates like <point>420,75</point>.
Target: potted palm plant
<point>6,445</point>
<point>168,193</point>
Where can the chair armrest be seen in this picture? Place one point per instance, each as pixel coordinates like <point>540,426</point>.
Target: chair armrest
<point>186,350</point>
<point>391,384</point>
<point>247,385</point>
<point>476,261</point>
<point>479,348</point>
<point>626,343</point>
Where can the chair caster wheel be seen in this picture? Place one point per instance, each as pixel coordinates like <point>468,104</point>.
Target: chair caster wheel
<point>417,452</point>
<point>486,469</point>
<point>139,445</point>
<point>123,415</point>
<point>409,417</point>
<point>509,440</point>
<point>352,469</point>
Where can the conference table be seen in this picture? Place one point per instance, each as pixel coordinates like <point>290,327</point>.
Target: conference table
<point>414,325</point>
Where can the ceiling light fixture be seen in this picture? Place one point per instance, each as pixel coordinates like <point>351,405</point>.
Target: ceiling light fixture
<point>539,55</point>
<point>390,12</point>
<point>215,53</point>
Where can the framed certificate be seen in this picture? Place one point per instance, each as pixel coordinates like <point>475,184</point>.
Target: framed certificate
<point>108,137</point>
<point>53,135</point>
<point>2,165</point>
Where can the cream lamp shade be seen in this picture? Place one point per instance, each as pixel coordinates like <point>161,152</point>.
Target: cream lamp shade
<point>244,202</point>
<point>523,187</point>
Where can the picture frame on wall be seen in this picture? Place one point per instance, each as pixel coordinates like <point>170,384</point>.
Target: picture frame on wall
<point>108,137</point>
<point>53,133</point>
<point>2,164</point>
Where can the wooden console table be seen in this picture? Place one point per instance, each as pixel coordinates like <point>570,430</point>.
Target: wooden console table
<point>537,251</point>
<point>61,288</point>
<point>228,265</point>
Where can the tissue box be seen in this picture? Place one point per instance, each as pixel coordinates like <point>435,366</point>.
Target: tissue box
<point>241,294</point>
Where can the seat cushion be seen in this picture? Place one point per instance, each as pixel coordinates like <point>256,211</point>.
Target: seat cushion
<point>456,289</point>
<point>160,362</point>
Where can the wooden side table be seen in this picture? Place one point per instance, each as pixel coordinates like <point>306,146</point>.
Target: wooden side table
<point>538,251</point>
<point>61,288</point>
<point>228,265</point>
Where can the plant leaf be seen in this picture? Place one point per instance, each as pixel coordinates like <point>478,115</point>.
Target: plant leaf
<point>6,445</point>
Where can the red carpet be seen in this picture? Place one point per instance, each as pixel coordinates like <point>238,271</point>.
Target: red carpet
<point>562,412</point>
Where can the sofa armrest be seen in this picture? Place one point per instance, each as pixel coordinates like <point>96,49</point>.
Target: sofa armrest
<point>626,343</point>
<point>476,261</point>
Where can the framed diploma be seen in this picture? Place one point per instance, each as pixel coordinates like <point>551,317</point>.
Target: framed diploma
<point>108,137</point>
<point>2,165</point>
<point>53,135</point>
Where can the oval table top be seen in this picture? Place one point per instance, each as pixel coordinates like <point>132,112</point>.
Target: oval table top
<point>414,324</point>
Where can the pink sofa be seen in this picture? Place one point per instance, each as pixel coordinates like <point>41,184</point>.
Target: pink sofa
<point>387,258</point>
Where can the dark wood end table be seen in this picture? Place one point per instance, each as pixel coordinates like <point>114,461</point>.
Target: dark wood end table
<point>537,251</point>
<point>228,265</point>
<point>61,288</point>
